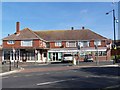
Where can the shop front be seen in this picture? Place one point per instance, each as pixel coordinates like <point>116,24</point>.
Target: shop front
<point>56,55</point>
<point>24,55</point>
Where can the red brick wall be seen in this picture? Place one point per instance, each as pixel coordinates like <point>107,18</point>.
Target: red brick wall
<point>36,43</point>
<point>92,43</point>
<point>17,44</point>
<point>103,43</point>
<point>64,44</point>
<point>52,44</point>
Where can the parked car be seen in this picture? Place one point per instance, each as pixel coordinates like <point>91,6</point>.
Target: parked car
<point>68,57</point>
<point>88,58</point>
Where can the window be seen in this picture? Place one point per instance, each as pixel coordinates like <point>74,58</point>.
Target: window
<point>83,43</point>
<point>26,43</point>
<point>98,42</point>
<point>10,42</point>
<point>58,43</point>
<point>71,44</point>
<point>100,53</point>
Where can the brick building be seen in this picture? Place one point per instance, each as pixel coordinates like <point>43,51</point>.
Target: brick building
<point>49,46</point>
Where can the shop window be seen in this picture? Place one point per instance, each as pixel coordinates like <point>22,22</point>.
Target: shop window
<point>100,53</point>
<point>104,53</point>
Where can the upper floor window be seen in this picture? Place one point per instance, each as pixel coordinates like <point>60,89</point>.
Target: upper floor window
<point>26,43</point>
<point>58,43</point>
<point>97,42</point>
<point>71,44</point>
<point>83,43</point>
<point>11,42</point>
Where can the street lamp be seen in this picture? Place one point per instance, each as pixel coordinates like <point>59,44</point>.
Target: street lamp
<point>114,29</point>
<point>96,47</point>
<point>36,52</point>
<point>14,56</point>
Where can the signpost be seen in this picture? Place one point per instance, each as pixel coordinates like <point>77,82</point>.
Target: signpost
<point>96,47</point>
<point>14,56</point>
<point>36,55</point>
<point>78,53</point>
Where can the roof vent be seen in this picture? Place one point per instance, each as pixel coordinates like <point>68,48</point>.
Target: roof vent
<point>72,28</point>
<point>83,27</point>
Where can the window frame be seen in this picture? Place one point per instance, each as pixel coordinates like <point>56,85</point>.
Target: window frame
<point>98,42</point>
<point>10,42</point>
<point>68,44</point>
<point>26,44</point>
<point>58,43</point>
<point>82,43</point>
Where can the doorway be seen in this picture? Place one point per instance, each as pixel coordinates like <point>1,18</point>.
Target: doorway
<point>55,56</point>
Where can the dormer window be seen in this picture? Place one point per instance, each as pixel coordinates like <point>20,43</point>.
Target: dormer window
<point>11,42</point>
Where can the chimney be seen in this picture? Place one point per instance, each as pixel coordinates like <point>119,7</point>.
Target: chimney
<point>72,28</point>
<point>83,27</point>
<point>17,27</point>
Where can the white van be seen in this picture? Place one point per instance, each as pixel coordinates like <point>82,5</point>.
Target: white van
<point>67,57</point>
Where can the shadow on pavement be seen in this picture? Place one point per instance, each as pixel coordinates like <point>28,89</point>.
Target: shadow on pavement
<point>110,71</point>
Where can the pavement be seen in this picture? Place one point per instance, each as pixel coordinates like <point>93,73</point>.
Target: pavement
<point>33,67</point>
<point>64,76</point>
<point>5,67</point>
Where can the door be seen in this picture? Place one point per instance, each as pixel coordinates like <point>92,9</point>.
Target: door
<point>55,56</point>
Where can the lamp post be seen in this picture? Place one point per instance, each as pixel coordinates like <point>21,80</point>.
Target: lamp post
<point>14,56</point>
<point>97,59</point>
<point>78,46</point>
<point>114,30</point>
<point>36,55</point>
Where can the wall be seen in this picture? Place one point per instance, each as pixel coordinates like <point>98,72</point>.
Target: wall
<point>36,43</point>
<point>103,44</point>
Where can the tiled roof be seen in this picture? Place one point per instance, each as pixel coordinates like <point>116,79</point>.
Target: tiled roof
<point>24,35</point>
<point>83,34</point>
<point>51,35</point>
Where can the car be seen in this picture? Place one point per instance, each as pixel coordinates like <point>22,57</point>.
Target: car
<point>88,58</point>
<point>67,57</point>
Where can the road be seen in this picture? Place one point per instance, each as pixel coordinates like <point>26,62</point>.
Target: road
<point>63,76</point>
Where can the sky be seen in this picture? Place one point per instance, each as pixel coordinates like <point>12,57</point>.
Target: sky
<point>119,20</point>
<point>59,16</point>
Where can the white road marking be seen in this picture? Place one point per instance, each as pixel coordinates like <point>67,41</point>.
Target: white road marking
<point>5,77</point>
<point>28,75</point>
<point>115,86</point>
<point>47,73</point>
<point>15,76</point>
<point>45,83</point>
<point>42,74</point>
<point>115,77</point>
